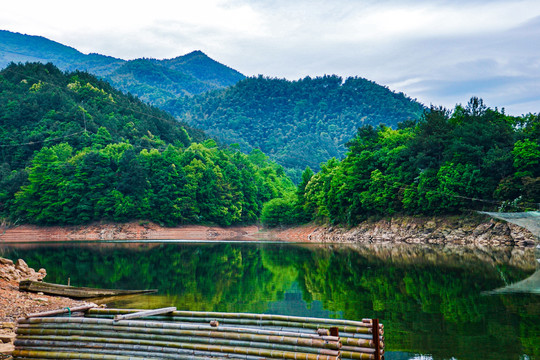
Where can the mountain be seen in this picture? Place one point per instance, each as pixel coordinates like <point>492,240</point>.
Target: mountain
<point>297,123</point>
<point>155,81</point>
<point>15,47</point>
<point>75,150</point>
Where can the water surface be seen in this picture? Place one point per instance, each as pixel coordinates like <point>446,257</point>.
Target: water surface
<point>430,298</point>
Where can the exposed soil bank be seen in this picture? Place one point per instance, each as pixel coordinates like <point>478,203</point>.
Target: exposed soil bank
<point>127,231</point>
<point>473,230</point>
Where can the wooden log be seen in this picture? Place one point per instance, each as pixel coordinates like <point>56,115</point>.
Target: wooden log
<point>145,313</point>
<point>74,292</point>
<point>376,339</point>
<point>60,311</point>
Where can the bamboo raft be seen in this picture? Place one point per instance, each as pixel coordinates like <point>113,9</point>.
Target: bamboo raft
<point>74,292</point>
<point>120,334</point>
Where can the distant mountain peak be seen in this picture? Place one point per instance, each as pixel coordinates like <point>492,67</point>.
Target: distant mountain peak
<point>196,53</point>
<point>154,80</point>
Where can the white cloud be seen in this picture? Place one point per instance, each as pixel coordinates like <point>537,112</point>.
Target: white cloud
<point>437,51</point>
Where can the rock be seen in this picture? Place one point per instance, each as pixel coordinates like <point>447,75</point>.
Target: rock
<point>7,338</point>
<point>8,325</point>
<point>6,349</point>
<point>21,265</point>
<point>4,261</point>
<point>438,230</point>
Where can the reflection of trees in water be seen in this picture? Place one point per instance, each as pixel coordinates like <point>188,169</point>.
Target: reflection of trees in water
<point>428,297</point>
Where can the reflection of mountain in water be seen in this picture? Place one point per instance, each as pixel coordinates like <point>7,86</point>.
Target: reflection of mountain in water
<point>530,221</point>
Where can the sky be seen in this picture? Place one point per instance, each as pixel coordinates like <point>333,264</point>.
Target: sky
<point>438,52</point>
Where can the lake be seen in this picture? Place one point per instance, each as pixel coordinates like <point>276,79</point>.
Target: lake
<point>431,299</point>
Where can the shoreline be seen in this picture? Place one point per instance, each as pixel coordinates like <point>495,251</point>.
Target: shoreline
<point>477,230</point>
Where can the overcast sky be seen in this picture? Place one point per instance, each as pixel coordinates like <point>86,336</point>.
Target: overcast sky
<point>440,52</point>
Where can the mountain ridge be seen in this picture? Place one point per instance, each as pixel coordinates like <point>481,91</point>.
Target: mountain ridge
<point>199,72</point>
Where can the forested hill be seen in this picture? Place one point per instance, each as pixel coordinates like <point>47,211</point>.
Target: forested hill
<point>155,81</point>
<point>471,158</point>
<point>75,150</point>
<point>41,106</point>
<point>297,123</point>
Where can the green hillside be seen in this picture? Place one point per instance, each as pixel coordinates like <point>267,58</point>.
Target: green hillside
<point>156,81</point>
<point>471,158</point>
<point>75,150</point>
<point>297,123</point>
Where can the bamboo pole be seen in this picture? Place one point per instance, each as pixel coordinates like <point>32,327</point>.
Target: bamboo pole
<point>345,341</point>
<point>148,352</point>
<point>69,355</point>
<point>163,325</point>
<point>290,340</point>
<point>226,315</point>
<point>279,323</point>
<point>134,352</point>
<point>254,342</point>
<point>355,355</point>
<point>358,349</point>
<point>116,336</point>
<point>83,341</point>
<point>145,313</point>
<point>60,311</point>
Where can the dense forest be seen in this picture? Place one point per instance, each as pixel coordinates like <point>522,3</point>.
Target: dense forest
<point>74,150</point>
<point>297,123</point>
<point>473,157</point>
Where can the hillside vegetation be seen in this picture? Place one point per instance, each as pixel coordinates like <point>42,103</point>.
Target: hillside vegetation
<point>297,123</point>
<point>471,158</point>
<point>75,150</point>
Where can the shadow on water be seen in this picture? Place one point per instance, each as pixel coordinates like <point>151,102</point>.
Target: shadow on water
<point>428,297</point>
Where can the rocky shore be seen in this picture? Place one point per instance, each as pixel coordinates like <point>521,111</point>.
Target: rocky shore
<point>15,303</point>
<point>475,230</point>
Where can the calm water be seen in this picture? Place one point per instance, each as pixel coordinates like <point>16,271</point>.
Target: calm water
<point>429,298</point>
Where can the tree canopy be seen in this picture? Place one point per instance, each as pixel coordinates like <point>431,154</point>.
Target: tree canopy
<point>74,150</point>
<point>470,158</point>
<point>297,123</point>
